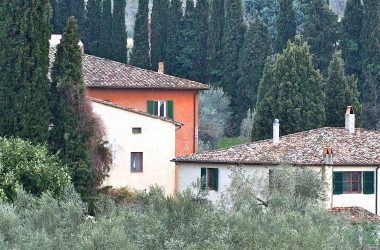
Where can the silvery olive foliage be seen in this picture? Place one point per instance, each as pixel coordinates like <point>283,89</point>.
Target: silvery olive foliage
<point>247,126</point>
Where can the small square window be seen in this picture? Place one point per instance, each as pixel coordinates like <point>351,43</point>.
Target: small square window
<point>136,162</point>
<point>136,130</point>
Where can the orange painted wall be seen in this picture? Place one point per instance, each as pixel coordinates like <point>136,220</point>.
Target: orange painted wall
<point>184,103</point>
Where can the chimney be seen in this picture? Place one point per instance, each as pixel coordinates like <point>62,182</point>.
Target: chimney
<point>161,68</point>
<point>276,131</point>
<point>350,120</point>
<point>327,155</point>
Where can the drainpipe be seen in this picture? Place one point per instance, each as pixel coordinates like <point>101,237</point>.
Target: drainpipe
<point>377,170</point>
<point>194,122</point>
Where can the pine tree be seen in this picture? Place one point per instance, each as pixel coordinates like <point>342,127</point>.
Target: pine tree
<point>286,24</point>
<point>158,33</point>
<point>294,93</point>
<point>105,40</point>
<point>215,38</point>
<point>341,91</point>
<point>321,32</point>
<point>140,53</point>
<point>24,60</point>
<point>201,39</point>
<point>66,9</point>
<point>352,22</point>
<point>92,27</point>
<point>174,37</point>
<point>233,38</point>
<point>253,55</point>
<point>72,127</point>
<point>119,32</point>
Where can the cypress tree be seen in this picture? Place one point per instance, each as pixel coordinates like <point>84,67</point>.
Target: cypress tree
<point>24,61</point>
<point>119,32</point>
<point>286,24</point>
<point>105,40</point>
<point>352,22</point>
<point>72,127</point>
<point>174,37</point>
<point>54,8</point>
<point>140,52</point>
<point>201,39</point>
<point>296,95</point>
<point>253,55</point>
<point>233,38</point>
<point>321,32</point>
<point>215,38</point>
<point>66,9</point>
<point>158,33</point>
<point>341,91</point>
<point>92,27</point>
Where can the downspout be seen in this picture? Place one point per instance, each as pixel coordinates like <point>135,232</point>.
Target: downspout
<point>194,123</point>
<point>377,170</point>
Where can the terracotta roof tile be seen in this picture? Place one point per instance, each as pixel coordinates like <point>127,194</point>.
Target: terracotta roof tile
<point>356,214</point>
<point>303,148</point>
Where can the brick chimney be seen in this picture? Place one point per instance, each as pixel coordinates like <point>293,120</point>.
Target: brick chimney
<point>327,155</point>
<point>161,68</point>
<point>350,119</point>
<point>276,132</point>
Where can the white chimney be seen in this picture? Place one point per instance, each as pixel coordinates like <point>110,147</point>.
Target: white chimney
<point>350,120</point>
<point>327,155</point>
<point>276,131</point>
<point>161,68</point>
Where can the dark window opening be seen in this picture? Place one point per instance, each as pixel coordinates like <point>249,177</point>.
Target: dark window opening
<point>136,130</point>
<point>136,162</point>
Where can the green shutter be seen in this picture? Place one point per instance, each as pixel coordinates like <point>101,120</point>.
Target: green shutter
<point>338,183</point>
<point>169,109</point>
<point>368,182</point>
<point>216,178</point>
<point>203,178</point>
<point>150,107</point>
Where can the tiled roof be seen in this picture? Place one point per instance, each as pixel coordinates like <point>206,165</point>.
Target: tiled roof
<point>356,214</point>
<point>135,111</point>
<point>303,148</point>
<point>103,73</point>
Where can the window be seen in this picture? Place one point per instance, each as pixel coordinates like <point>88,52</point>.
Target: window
<point>136,130</point>
<point>136,162</point>
<point>161,108</point>
<point>210,178</point>
<point>353,182</point>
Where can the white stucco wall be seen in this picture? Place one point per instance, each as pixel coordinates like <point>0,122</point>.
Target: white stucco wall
<point>157,142</point>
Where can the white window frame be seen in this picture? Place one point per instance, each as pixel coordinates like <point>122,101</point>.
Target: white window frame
<point>157,105</point>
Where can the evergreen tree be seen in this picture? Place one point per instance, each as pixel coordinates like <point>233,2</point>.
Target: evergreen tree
<point>140,53</point>
<point>352,22</point>
<point>253,55</point>
<point>341,91</point>
<point>72,127</point>
<point>174,37</point>
<point>24,61</point>
<point>54,8</point>
<point>119,32</point>
<point>66,9</point>
<point>215,38</point>
<point>158,31</point>
<point>105,40</point>
<point>294,93</point>
<point>92,27</point>
<point>321,32</point>
<point>201,39</point>
<point>286,24</point>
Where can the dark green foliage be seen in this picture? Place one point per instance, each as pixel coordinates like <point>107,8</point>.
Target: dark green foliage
<point>350,40</point>
<point>215,38</point>
<point>201,39</point>
<point>119,32</point>
<point>286,24</point>
<point>341,91</point>
<point>92,27</point>
<point>140,53</point>
<point>24,61</point>
<point>66,9</point>
<point>253,55</point>
<point>72,122</point>
<point>30,167</point>
<point>158,31</point>
<point>293,93</point>
<point>173,43</point>
<point>105,40</point>
<point>321,32</point>
<point>54,8</point>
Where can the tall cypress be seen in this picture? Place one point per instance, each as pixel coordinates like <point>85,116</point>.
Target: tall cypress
<point>105,39</point>
<point>174,37</point>
<point>158,31</point>
<point>54,8</point>
<point>72,128</point>
<point>92,27</point>
<point>201,39</point>
<point>321,32</point>
<point>286,24</point>
<point>140,53</point>
<point>24,60</point>
<point>119,32</point>
<point>341,91</point>
<point>66,9</point>
<point>215,38</point>
<point>253,55</point>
